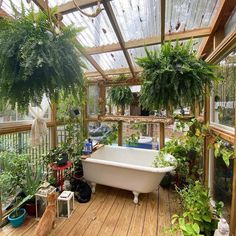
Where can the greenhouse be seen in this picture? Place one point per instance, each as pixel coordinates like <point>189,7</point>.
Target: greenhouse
<point>117,117</point>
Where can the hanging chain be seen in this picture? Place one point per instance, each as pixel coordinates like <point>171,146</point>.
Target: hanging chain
<point>96,13</point>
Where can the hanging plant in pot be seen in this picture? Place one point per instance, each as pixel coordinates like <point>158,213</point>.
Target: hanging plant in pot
<point>120,96</point>
<point>174,77</point>
<point>37,58</point>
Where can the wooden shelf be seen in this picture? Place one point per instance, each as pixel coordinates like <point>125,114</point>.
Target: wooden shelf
<point>136,119</point>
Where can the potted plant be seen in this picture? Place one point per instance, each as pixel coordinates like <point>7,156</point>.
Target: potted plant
<point>174,77</point>
<point>37,57</point>
<point>120,96</point>
<point>17,217</point>
<point>33,179</point>
<point>199,217</point>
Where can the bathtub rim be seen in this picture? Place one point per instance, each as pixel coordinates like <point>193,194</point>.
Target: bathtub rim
<point>130,166</point>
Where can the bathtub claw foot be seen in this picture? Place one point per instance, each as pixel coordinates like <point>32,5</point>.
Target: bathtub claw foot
<point>93,187</point>
<point>135,197</point>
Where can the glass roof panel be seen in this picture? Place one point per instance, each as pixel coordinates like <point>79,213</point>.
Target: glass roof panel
<point>137,18</point>
<point>53,3</point>
<point>111,60</point>
<point>184,15</point>
<point>6,6</point>
<point>231,24</point>
<point>97,31</point>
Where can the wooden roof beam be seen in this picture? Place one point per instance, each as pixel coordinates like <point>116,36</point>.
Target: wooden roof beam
<point>219,20</point>
<point>163,13</point>
<point>43,6</point>
<point>154,40</point>
<point>70,6</point>
<point>115,25</point>
<point>112,72</point>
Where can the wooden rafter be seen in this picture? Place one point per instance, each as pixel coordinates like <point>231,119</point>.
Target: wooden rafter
<point>163,11</point>
<point>112,72</point>
<point>118,33</point>
<point>219,20</point>
<point>154,40</point>
<point>70,6</point>
<point>43,6</point>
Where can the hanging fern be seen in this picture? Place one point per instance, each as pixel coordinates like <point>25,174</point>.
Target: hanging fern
<point>37,58</point>
<point>120,95</point>
<point>173,77</point>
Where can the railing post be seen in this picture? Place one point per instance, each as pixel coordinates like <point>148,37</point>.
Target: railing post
<point>120,126</point>
<point>162,135</point>
<point>54,126</point>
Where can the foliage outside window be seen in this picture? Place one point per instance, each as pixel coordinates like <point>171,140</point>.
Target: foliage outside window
<point>223,99</point>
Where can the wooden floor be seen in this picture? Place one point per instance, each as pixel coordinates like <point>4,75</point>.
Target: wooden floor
<point>112,212</point>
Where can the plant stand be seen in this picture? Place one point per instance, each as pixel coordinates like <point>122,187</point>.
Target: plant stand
<point>60,172</point>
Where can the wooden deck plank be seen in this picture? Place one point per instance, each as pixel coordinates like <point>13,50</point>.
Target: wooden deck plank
<point>151,217</point>
<point>112,212</point>
<point>90,214</point>
<point>137,222</point>
<point>113,216</point>
<point>28,223</point>
<point>163,212</point>
<point>66,227</point>
<point>125,217</point>
<point>101,215</point>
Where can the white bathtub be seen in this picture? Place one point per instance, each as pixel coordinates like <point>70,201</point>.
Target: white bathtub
<point>125,168</point>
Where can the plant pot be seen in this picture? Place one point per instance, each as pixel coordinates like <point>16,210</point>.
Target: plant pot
<point>30,208</point>
<point>62,159</point>
<point>17,221</point>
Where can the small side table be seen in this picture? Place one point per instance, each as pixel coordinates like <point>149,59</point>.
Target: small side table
<point>65,204</point>
<point>60,172</point>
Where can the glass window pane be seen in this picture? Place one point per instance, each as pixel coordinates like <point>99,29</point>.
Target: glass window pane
<point>92,103</point>
<point>223,99</point>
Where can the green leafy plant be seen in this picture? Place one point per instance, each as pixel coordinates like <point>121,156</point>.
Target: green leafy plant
<point>187,151</point>
<point>223,151</point>
<point>33,178</point>
<point>37,58</point>
<point>163,160</point>
<point>173,76</point>
<point>111,136</point>
<point>133,139</point>
<point>199,217</point>
<point>120,96</point>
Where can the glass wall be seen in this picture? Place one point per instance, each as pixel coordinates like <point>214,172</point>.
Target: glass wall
<point>223,98</point>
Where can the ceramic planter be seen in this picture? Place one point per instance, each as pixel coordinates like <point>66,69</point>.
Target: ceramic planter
<point>17,221</point>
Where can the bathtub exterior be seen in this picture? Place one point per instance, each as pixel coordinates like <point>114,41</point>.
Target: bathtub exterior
<point>125,168</point>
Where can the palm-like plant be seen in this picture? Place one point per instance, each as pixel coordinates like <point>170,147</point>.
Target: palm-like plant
<point>121,96</point>
<point>37,58</point>
<point>173,77</point>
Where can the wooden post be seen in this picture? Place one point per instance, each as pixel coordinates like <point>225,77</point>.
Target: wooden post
<point>206,151</point>
<point>162,135</point>
<point>120,126</point>
<point>85,114</point>
<point>233,201</point>
<point>54,127</point>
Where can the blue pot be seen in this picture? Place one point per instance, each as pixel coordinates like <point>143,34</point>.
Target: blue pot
<point>18,221</point>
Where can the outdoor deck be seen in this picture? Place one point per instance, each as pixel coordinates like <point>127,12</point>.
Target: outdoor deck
<point>112,212</point>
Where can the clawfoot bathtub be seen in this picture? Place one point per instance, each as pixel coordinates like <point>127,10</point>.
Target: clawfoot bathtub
<point>125,168</point>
